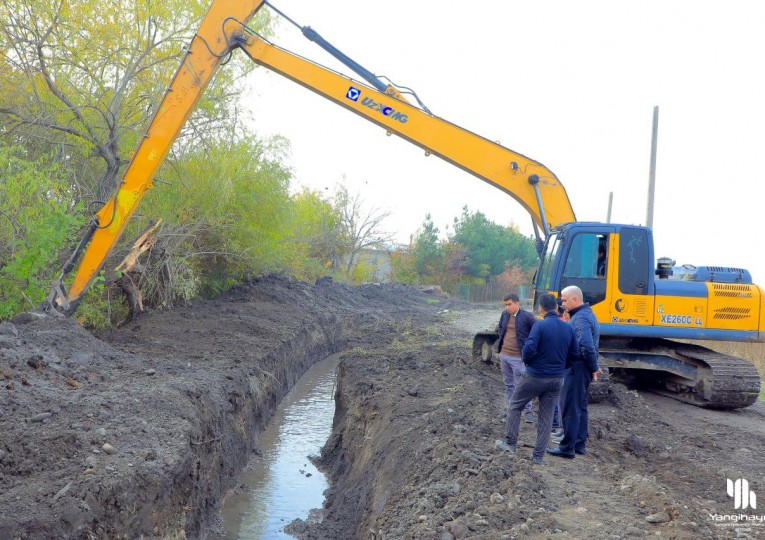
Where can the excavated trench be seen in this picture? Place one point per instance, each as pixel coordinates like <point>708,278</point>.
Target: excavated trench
<point>142,431</point>
<point>280,483</point>
<point>139,433</point>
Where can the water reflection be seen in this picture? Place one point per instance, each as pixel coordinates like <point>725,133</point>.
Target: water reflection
<point>281,483</point>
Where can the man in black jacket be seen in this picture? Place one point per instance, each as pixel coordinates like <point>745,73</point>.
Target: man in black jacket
<point>579,375</point>
<point>514,327</point>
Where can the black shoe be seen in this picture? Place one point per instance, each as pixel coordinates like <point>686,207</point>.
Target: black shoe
<point>581,452</point>
<point>559,453</point>
<point>504,445</point>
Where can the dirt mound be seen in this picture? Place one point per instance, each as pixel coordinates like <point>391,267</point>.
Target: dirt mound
<point>413,457</point>
<point>141,431</point>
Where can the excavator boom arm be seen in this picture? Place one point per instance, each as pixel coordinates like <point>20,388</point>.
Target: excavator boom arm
<point>207,51</point>
<point>529,182</point>
<point>505,169</point>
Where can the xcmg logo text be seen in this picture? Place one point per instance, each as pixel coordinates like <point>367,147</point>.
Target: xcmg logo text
<point>354,94</point>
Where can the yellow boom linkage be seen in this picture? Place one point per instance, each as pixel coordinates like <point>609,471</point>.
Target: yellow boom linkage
<point>511,172</point>
<point>224,29</point>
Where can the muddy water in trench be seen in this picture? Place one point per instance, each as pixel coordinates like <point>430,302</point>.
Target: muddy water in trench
<point>281,484</point>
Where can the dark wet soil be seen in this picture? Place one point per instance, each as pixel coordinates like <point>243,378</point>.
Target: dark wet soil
<point>140,432</point>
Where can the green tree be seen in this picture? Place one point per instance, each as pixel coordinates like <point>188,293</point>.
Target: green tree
<point>315,235</point>
<point>426,251</point>
<point>86,77</point>
<point>79,80</point>
<point>489,245</point>
<point>35,221</point>
<point>402,266</point>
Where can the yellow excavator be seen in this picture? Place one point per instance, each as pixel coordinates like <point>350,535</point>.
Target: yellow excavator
<point>641,307</point>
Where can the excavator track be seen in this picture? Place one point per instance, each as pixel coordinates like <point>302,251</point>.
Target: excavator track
<point>683,371</point>
<point>686,372</point>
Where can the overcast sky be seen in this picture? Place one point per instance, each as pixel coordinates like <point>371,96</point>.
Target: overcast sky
<point>569,84</point>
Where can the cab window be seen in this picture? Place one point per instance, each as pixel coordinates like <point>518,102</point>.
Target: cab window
<point>634,266</point>
<point>585,268</point>
<point>548,263</point>
<point>582,259</point>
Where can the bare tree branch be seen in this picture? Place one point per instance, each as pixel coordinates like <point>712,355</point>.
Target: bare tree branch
<point>361,229</point>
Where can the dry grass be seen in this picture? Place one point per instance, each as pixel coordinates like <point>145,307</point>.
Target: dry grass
<point>754,352</point>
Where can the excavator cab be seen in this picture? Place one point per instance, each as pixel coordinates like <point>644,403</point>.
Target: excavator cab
<point>583,265</point>
<point>576,254</point>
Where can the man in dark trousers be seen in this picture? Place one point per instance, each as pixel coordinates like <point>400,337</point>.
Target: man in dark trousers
<point>550,347</point>
<point>514,327</point>
<point>578,376</point>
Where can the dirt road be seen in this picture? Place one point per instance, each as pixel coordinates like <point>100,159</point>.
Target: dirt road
<point>141,431</point>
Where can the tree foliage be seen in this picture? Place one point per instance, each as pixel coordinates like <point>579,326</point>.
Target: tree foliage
<point>489,246</point>
<point>226,212</point>
<point>79,81</point>
<point>427,251</point>
<point>35,221</point>
<point>477,251</point>
<point>315,235</point>
<point>86,76</point>
<point>402,266</point>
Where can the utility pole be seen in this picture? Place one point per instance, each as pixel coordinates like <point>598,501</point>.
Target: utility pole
<point>652,171</point>
<point>610,205</point>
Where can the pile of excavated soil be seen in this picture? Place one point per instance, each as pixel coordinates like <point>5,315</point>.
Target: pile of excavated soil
<point>140,432</point>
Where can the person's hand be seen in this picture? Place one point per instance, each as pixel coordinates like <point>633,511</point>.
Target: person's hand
<point>596,374</point>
